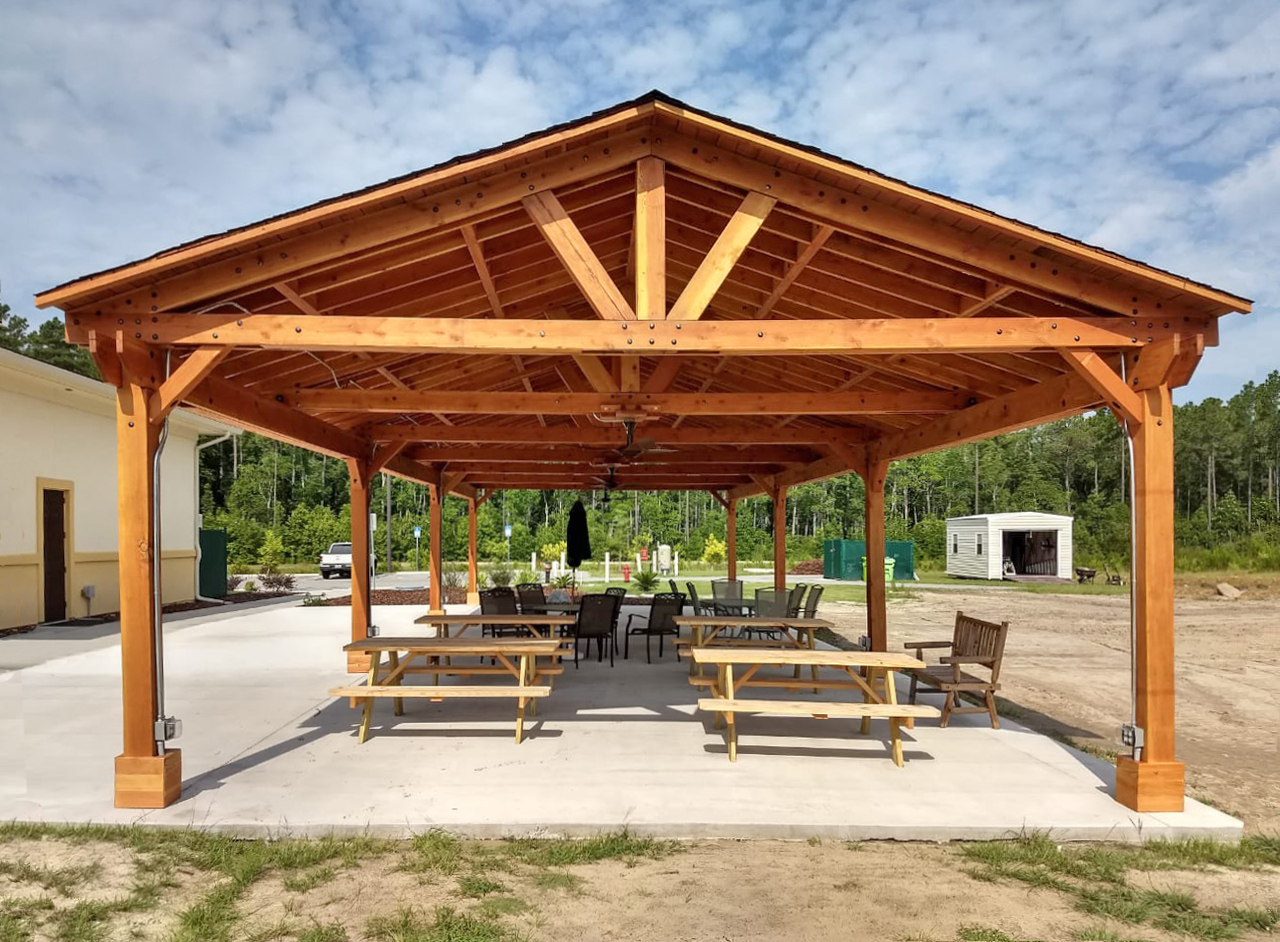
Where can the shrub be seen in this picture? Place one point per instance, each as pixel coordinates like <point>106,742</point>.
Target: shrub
<point>233,583</point>
<point>310,601</point>
<point>714,550</point>
<point>552,551</point>
<point>277,581</point>
<point>501,576</point>
<point>454,577</point>
<point>646,580</point>
<point>526,575</point>
<point>271,555</point>
<point>251,586</point>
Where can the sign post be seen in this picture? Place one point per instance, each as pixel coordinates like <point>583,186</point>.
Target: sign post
<point>507,533</point>
<point>417,535</point>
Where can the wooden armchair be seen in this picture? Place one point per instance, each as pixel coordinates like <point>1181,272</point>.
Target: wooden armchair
<point>975,643</point>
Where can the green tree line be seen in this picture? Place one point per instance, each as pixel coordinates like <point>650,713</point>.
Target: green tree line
<point>1226,489</point>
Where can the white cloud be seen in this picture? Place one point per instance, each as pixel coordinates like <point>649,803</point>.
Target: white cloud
<point>1150,127</point>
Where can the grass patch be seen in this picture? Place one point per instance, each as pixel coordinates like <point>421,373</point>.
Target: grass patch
<point>60,880</point>
<point>476,886</point>
<point>619,845</point>
<point>435,852</point>
<point>318,933</point>
<point>309,880</point>
<point>1095,876</point>
<point>496,906</point>
<point>558,880</point>
<point>446,925</point>
<point>1099,934</point>
<point>982,934</point>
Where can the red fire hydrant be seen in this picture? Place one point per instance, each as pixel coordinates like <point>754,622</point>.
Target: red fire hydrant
<point>626,573</point>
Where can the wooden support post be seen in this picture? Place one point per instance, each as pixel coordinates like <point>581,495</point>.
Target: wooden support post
<point>877,614</point>
<point>436,564</point>
<point>1155,780</point>
<point>731,538</point>
<point>780,538</point>
<point>361,601</point>
<point>473,572</point>
<point>144,777</point>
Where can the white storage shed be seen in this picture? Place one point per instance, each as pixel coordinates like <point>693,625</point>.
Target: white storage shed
<point>989,546</point>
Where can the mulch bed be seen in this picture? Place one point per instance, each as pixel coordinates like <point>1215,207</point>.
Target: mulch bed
<point>233,598</point>
<point>806,567</point>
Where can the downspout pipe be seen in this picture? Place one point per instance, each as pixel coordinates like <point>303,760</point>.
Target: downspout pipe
<point>199,448</point>
<point>157,633</point>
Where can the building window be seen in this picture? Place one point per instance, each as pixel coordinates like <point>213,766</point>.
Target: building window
<point>979,544</point>
<point>955,543</point>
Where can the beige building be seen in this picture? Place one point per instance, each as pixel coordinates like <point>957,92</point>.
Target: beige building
<point>58,502</point>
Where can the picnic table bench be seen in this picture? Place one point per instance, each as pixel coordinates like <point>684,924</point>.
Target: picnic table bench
<point>516,658</point>
<point>879,696</point>
<point>540,626</point>
<point>708,630</point>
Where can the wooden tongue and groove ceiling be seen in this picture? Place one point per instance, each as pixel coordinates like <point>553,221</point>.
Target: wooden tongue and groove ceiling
<point>751,312</point>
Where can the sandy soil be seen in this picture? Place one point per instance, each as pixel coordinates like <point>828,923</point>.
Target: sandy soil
<point>1067,664</point>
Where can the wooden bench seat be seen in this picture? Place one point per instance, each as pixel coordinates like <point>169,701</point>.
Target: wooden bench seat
<point>438,693</point>
<point>785,683</point>
<point>895,713</point>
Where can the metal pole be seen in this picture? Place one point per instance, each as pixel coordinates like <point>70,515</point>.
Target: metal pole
<point>386,484</point>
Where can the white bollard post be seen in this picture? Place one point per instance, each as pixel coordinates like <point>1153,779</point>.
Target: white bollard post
<point>562,560</point>
<point>606,568</point>
<point>533,561</point>
<point>639,566</point>
<point>675,563</point>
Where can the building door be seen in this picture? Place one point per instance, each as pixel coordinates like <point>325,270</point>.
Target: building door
<point>55,555</point>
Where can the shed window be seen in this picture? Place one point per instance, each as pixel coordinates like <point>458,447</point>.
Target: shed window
<point>979,544</point>
<point>955,542</point>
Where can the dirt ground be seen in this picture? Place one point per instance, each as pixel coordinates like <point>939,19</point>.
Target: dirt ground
<point>1067,666</point>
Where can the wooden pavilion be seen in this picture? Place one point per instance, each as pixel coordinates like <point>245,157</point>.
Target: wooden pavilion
<point>649,297</point>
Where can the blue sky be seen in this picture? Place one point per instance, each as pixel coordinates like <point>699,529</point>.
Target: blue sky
<point>1152,128</point>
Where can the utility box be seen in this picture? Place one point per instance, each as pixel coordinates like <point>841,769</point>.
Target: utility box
<point>212,578</point>
<point>842,559</point>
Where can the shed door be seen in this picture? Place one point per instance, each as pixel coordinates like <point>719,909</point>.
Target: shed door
<point>55,555</point>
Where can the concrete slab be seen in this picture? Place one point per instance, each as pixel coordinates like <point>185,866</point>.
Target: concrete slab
<point>265,751</point>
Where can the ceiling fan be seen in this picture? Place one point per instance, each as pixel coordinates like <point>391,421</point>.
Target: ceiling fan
<point>634,448</point>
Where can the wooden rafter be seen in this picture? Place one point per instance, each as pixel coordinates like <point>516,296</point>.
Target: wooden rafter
<point>722,433</point>
<point>815,245</point>
<point>624,403</point>
<point>577,257</point>
<point>717,264</point>
<point>1106,382</point>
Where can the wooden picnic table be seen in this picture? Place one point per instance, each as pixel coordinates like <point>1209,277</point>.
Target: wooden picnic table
<point>547,607</point>
<point>707,629</point>
<point>511,658</point>
<point>879,695</point>
<point>540,626</point>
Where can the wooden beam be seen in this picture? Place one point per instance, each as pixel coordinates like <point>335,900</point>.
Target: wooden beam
<point>102,347</point>
<point>1150,367</point>
<point>1106,382</point>
<point>877,612</point>
<point>292,252</point>
<point>624,403</point>
<point>651,240</point>
<point>473,336</point>
<point>802,261</point>
<point>597,374</point>
<point>724,433</point>
<point>629,374</point>
<point>473,559</point>
<point>383,454</point>
<point>361,475</point>
<point>1153,780</point>
<point>814,471</point>
<point>190,373</point>
<point>845,207</point>
<point>663,374</point>
<point>553,454</point>
<point>436,566</point>
<point>995,294</point>
<point>1044,402</point>
<point>724,254</point>
<point>577,256</point>
<point>720,499</point>
<point>143,774</point>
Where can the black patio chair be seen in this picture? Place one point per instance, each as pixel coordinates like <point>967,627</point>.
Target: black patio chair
<point>619,593</point>
<point>500,600</point>
<point>694,601</point>
<point>596,616</point>
<point>770,603</point>
<point>660,622</point>
<point>729,589</point>
<point>530,593</point>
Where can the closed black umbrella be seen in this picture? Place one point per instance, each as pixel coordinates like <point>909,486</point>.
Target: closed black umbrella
<point>577,538</point>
